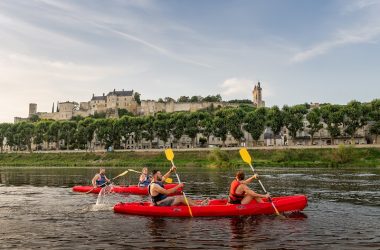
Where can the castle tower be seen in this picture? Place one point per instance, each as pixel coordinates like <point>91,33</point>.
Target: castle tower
<point>32,109</point>
<point>257,96</point>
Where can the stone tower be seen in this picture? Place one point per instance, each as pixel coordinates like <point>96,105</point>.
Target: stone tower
<point>32,109</point>
<point>257,96</point>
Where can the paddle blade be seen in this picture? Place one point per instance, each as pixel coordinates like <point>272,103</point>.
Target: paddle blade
<point>132,170</point>
<point>124,173</point>
<point>169,180</point>
<point>169,154</point>
<point>245,155</point>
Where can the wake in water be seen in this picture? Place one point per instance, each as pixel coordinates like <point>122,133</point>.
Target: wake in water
<point>103,202</point>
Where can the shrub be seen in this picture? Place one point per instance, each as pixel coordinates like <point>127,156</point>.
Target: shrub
<point>219,158</point>
<point>343,154</point>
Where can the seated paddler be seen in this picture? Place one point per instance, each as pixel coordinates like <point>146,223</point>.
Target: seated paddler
<point>240,193</point>
<point>160,195</point>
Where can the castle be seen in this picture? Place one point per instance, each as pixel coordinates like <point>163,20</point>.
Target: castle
<point>128,100</point>
<point>257,96</point>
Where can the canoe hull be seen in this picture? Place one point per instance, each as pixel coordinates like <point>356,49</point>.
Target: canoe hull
<point>216,208</point>
<point>133,189</point>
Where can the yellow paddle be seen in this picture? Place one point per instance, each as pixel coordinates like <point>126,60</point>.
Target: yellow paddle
<point>167,180</point>
<point>247,159</point>
<point>170,156</point>
<point>124,173</point>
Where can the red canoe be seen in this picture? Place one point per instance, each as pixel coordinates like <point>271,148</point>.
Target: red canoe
<point>133,189</point>
<point>214,208</point>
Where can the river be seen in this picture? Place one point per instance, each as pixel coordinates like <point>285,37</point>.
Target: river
<point>39,210</point>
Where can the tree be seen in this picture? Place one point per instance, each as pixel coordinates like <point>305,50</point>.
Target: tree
<point>54,133</point>
<point>206,124</point>
<point>275,120</point>
<point>124,112</point>
<point>161,127</point>
<point>41,132</point>
<point>355,116</point>
<point>235,119</point>
<point>169,99</point>
<point>211,98</point>
<point>34,118</point>
<point>137,98</point>
<point>86,132</point>
<point>255,123</point>
<point>183,99</point>
<point>177,125</point>
<point>67,132</point>
<point>196,98</point>
<point>26,133</point>
<point>293,119</point>
<point>148,129</point>
<point>191,126</point>
<point>375,118</point>
<point>332,116</point>
<point>137,124</point>
<point>220,127</point>
<point>314,118</point>
<point>4,127</point>
<point>108,132</point>
<point>12,136</point>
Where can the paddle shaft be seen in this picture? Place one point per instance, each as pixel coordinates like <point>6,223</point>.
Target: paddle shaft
<point>262,186</point>
<point>184,195</point>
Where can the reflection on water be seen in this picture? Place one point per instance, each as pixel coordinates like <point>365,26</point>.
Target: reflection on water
<point>38,210</point>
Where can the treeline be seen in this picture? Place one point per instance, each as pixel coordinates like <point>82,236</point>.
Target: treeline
<point>209,98</point>
<point>80,133</point>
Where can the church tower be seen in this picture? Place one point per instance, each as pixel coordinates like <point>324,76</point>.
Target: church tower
<point>257,96</point>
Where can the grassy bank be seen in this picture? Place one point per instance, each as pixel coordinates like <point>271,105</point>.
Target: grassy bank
<point>328,157</point>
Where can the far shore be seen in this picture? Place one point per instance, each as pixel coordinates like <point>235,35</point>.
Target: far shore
<point>197,149</point>
<point>358,156</point>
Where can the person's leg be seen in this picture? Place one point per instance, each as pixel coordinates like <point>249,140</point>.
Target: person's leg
<point>180,199</point>
<point>248,199</point>
<point>166,202</point>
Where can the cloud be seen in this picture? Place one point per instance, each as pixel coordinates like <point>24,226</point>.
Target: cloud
<point>366,34</point>
<point>233,87</point>
<point>364,31</point>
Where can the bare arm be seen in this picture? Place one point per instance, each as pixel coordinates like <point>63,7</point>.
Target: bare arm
<point>164,191</point>
<point>254,194</point>
<point>250,179</point>
<point>94,180</point>
<point>142,178</point>
<point>172,169</point>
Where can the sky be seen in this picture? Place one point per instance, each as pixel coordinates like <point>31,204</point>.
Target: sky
<point>300,51</point>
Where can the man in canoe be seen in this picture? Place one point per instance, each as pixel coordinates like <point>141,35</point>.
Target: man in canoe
<point>240,193</point>
<point>100,179</point>
<point>144,179</point>
<point>159,194</point>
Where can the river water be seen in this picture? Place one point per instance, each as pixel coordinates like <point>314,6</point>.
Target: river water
<point>38,210</point>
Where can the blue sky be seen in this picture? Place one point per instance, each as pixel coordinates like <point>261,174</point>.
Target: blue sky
<point>301,51</point>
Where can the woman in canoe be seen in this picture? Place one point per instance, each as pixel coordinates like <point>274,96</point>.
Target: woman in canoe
<point>144,179</point>
<point>100,179</point>
<point>240,193</point>
<point>159,195</point>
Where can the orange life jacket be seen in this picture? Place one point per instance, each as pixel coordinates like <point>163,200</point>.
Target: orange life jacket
<point>234,197</point>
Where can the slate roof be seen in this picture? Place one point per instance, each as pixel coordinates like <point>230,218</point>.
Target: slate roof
<point>121,93</point>
<point>95,98</point>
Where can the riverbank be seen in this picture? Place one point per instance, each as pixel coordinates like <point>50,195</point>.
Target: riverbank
<point>277,157</point>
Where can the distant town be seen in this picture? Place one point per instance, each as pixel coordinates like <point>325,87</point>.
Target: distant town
<point>120,120</point>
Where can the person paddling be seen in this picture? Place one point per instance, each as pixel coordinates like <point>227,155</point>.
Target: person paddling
<point>240,193</point>
<point>159,194</point>
<point>144,179</point>
<point>100,179</point>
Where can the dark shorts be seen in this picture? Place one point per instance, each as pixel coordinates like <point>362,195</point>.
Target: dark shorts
<point>166,202</point>
<point>234,201</point>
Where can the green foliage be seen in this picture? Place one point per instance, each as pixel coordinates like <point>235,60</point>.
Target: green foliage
<point>219,158</point>
<point>136,96</point>
<point>314,118</point>
<point>124,112</point>
<point>255,123</point>
<point>343,154</point>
